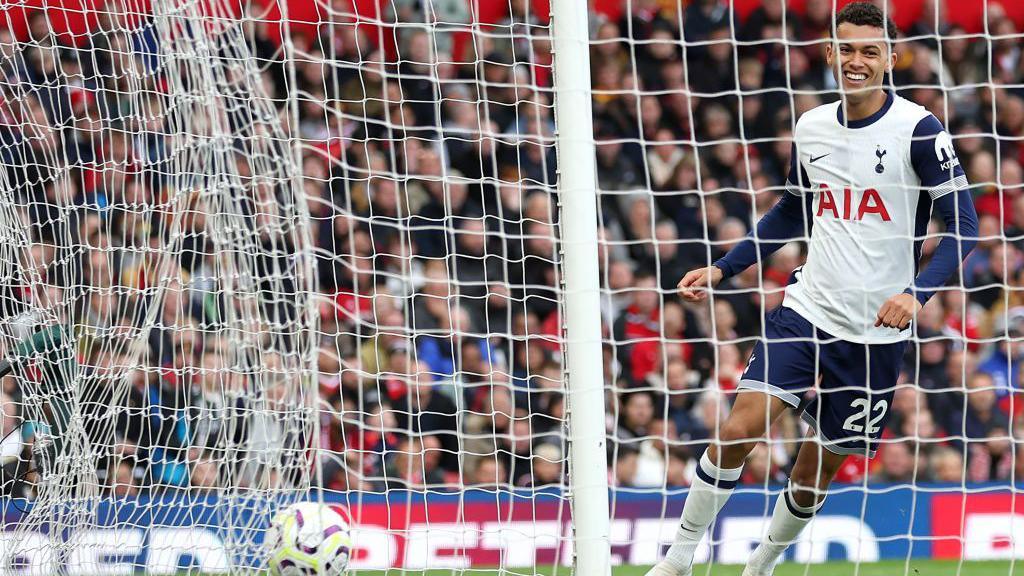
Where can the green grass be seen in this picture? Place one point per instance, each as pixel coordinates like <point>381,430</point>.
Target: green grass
<point>891,568</point>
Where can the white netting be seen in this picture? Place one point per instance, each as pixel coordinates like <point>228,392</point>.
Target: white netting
<point>213,200</point>
<point>158,277</point>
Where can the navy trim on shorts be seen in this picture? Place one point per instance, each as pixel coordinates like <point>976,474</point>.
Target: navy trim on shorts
<point>757,386</point>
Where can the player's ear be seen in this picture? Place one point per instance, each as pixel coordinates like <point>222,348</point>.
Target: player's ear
<point>893,57</point>
<point>828,54</point>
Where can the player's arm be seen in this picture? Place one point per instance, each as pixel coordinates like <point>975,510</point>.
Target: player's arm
<point>943,178</point>
<point>788,220</point>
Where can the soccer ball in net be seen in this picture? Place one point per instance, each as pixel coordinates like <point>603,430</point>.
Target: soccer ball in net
<point>309,538</point>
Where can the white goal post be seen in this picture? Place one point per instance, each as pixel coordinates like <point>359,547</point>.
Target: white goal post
<point>577,187</point>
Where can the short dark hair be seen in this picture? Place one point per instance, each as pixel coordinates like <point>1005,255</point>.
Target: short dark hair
<point>867,14</point>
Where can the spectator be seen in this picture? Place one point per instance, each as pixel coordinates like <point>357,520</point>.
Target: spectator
<point>979,261</point>
<point>898,463</point>
<point>489,473</point>
<point>725,322</point>
<point>548,467</point>
<point>991,458</point>
<point>661,50</point>
<point>639,326</point>
<point>1004,260</point>
<point>665,258</point>
<point>714,75</point>
<point>408,469</point>
<point>919,426</point>
<point>982,413</point>
<point>708,415</point>
<point>681,395</point>
<point>652,466</point>
<point>624,466</point>
<point>425,410</point>
<point>946,465</point>
<point>1005,357</point>
<point>637,414</point>
<point>615,170</point>
<point>740,294</point>
<point>440,350</point>
<point>676,474</point>
<point>730,368</point>
<point>515,447</point>
<point>931,371</point>
<point>123,479</point>
<point>729,233</point>
<point>760,469</point>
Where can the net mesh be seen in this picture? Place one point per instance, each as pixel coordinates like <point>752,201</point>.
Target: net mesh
<point>157,284</point>
<point>249,249</point>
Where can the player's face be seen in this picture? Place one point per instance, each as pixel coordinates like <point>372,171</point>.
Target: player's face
<point>859,57</point>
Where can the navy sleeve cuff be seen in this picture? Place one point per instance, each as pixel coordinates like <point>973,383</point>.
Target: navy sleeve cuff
<point>727,271</point>
<point>919,295</point>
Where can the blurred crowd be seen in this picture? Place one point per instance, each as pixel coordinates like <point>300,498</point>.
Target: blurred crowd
<point>693,114</point>
<point>429,169</point>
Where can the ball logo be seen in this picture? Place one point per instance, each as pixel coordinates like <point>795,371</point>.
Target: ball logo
<point>944,151</point>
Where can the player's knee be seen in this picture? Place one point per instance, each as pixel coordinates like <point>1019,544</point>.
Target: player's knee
<point>804,476</point>
<point>807,479</point>
<point>734,430</point>
<point>737,438</point>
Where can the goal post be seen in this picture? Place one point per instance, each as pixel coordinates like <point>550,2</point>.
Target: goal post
<point>577,187</point>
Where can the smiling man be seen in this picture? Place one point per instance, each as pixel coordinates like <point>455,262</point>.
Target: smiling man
<point>865,175</point>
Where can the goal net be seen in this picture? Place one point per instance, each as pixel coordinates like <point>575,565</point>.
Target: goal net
<point>157,292</point>
<point>254,252</point>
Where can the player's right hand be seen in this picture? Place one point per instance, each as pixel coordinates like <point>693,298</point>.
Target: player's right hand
<point>695,285</point>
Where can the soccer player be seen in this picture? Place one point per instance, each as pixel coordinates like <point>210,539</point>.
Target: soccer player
<point>865,175</point>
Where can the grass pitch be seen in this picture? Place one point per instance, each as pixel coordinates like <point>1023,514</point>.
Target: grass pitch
<point>890,568</point>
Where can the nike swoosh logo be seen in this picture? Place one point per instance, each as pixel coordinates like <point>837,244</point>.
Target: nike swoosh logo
<point>683,526</point>
<point>816,158</point>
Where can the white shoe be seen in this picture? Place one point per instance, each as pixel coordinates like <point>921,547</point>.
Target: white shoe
<point>748,571</point>
<point>665,569</point>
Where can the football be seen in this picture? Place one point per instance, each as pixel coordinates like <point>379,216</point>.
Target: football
<point>308,538</point>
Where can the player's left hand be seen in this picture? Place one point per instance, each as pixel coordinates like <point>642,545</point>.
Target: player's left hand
<point>898,311</point>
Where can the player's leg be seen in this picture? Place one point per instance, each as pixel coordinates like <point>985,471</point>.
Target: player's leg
<point>847,417</point>
<point>747,424</point>
<point>777,374</point>
<point>717,474</point>
<point>812,473</point>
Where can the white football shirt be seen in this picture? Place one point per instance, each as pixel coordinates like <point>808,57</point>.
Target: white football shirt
<point>873,182</point>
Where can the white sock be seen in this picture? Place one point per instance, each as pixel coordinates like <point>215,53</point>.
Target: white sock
<point>788,520</point>
<point>708,493</point>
